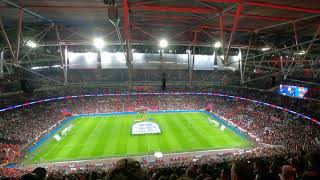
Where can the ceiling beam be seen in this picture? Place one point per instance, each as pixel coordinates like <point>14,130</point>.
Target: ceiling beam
<point>225,14</point>
<point>210,27</point>
<point>27,11</point>
<point>166,17</point>
<point>276,6</point>
<point>226,28</point>
<point>180,9</point>
<point>234,28</point>
<point>142,2</point>
<point>128,40</point>
<point>200,10</point>
<point>266,5</point>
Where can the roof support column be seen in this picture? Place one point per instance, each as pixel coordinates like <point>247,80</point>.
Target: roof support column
<point>222,35</point>
<point>1,63</point>
<point>4,34</point>
<point>189,65</point>
<point>19,32</point>
<point>240,65</point>
<point>63,62</point>
<point>126,20</point>
<point>66,65</point>
<point>192,65</point>
<point>296,42</point>
<point>295,34</point>
<point>245,61</point>
<point>235,24</point>
<point>193,57</point>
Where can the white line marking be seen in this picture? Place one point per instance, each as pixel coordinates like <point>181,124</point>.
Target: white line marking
<point>168,154</point>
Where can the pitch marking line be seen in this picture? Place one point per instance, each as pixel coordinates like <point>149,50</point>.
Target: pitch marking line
<point>204,152</point>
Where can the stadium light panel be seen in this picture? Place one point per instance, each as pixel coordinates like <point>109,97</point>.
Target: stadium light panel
<point>31,44</point>
<point>98,43</point>
<point>217,44</point>
<point>265,48</point>
<point>300,53</point>
<point>163,43</point>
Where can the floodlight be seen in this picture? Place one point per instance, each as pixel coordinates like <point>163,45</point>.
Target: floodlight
<point>300,53</point>
<point>163,43</point>
<point>98,43</point>
<point>31,44</point>
<point>267,48</point>
<point>217,44</point>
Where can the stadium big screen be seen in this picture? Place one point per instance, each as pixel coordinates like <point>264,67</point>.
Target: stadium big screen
<point>293,91</point>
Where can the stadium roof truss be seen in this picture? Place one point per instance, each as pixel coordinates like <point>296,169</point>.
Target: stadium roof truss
<point>288,29</point>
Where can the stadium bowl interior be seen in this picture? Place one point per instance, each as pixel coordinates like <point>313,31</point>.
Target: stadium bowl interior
<point>193,89</point>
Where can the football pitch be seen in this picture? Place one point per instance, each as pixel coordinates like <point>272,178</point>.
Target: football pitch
<point>106,136</point>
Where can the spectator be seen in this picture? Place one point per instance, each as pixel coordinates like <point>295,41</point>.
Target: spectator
<point>30,176</point>
<point>288,173</point>
<point>260,170</point>
<point>128,169</point>
<point>274,170</point>
<point>40,172</point>
<point>173,177</point>
<point>240,171</point>
<point>313,162</point>
<point>225,174</point>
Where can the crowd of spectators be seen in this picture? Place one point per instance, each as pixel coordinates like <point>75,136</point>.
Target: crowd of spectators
<point>284,133</point>
<point>299,166</point>
<point>271,126</point>
<point>23,125</point>
<point>8,152</point>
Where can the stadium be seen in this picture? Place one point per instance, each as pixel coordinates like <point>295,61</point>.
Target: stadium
<point>193,89</point>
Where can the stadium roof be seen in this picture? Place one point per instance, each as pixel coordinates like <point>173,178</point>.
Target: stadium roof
<point>181,21</point>
<point>289,27</point>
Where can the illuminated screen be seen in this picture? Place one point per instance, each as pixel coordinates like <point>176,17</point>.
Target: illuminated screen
<point>83,60</point>
<point>292,91</point>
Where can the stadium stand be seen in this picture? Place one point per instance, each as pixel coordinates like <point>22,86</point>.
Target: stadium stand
<point>277,129</point>
<point>100,78</point>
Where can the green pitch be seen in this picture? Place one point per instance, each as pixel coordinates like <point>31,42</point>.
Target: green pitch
<point>110,136</point>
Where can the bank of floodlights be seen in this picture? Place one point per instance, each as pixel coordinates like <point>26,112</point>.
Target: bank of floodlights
<point>31,44</point>
<point>98,43</point>
<point>163,43</point>
<point>217,44</point>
